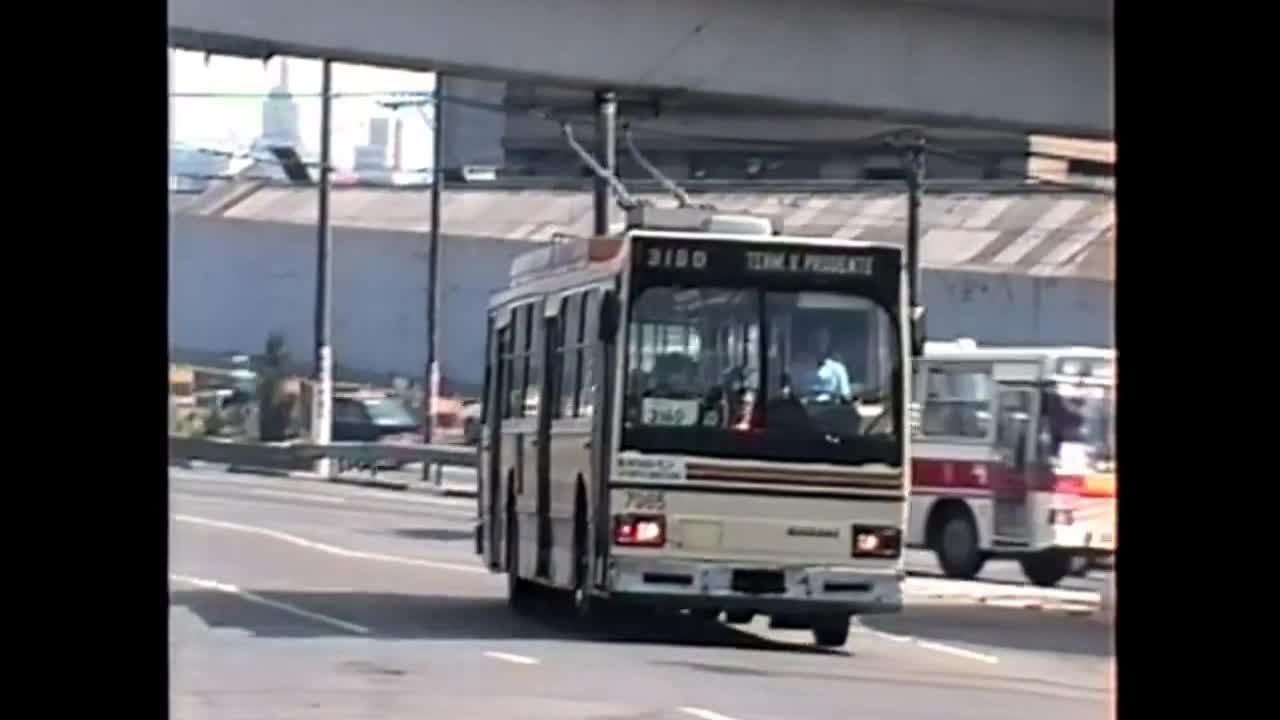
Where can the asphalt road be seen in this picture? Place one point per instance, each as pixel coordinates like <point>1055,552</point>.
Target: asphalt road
<point>294,599</point>
<point>921,563</point>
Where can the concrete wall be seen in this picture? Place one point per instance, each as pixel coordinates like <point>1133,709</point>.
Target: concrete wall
<point>233,282</point>
<point>1041,66</point>
<point>1015,310</point>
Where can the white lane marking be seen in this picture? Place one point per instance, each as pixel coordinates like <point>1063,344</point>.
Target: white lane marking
<point>704,713</point>
<point>508,657</point>
<point>297,495</point>
<point>326,548</point>
<point>255,598</point>
<point>929,645</point>
<point>887,636</point>
<point>960,652</point>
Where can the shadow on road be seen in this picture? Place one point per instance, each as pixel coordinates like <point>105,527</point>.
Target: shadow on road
<point>441,617</point>
<point>1014,629</point>
<point>436,534</point>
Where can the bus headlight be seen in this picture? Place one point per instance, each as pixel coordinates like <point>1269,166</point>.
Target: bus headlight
<point>639,530</point>
<point>881,542</point>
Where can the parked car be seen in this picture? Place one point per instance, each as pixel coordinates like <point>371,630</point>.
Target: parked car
<point>374,417</point>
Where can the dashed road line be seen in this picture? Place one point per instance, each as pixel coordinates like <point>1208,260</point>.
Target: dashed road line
<point>325,547</point>
<point>516,659</point>
<point>929,645</point>
<point>704,713</point>
<point>258,599</point>
<point>957,651</point>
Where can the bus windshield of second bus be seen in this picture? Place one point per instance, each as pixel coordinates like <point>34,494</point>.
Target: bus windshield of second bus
<point>702,379</point>
<point>1080,424</point>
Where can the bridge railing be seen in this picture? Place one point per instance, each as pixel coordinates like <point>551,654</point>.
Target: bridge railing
<point>301,456</point>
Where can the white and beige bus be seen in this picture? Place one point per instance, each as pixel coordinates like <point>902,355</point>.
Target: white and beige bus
<point>701,415</point>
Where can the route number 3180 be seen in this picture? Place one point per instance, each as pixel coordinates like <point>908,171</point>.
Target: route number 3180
<point>676,258</point>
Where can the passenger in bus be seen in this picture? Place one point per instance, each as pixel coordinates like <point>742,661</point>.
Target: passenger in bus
<point>675,375</point>
<point>817,373</point>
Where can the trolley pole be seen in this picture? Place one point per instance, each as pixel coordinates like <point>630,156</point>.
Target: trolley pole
<point>607,142</point>
<point>433,275</point>
<point>322,417</point>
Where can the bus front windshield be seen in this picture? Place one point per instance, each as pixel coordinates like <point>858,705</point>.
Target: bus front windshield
<point>1079,421</point>
<point>763,374</point>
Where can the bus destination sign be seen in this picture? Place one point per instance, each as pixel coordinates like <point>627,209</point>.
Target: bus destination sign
<point>817,263</point>
<point>706,257</point>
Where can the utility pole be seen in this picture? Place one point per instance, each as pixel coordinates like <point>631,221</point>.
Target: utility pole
<point>607,148</point>
<point>322,417</point>
<point>914,149</point>
<point>915,180</point>
<point>433,271</point>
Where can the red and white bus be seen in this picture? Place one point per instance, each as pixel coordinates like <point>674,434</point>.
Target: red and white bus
<point>1013,456</point>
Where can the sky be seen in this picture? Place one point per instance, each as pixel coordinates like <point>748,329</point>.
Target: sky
<point>232,123</point>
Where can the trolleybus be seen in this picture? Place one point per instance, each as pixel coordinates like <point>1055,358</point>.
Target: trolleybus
<point>701,414</point>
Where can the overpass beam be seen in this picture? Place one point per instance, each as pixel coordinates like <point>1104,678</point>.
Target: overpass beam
<point>607,151</point>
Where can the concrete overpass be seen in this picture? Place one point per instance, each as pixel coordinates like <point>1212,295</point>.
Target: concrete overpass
<point>1043,66</point>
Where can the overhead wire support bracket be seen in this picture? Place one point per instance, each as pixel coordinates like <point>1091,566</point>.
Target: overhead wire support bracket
<point>622,196</point>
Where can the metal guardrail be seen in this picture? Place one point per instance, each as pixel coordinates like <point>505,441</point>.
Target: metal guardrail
<point>302,455</point>
<point>368,452</point>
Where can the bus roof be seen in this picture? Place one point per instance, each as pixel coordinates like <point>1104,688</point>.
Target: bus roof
<point>949,351</point>
<point>1055,360</point>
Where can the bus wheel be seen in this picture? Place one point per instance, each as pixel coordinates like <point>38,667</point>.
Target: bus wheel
<point>739,617</point>
<point>957,548</point>
<point>831,632</point>
<point>1047,567</point>
<point>518,589</point>
<point>583,603</point>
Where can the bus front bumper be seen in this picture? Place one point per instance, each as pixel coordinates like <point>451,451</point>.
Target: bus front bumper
<point>759,587</point>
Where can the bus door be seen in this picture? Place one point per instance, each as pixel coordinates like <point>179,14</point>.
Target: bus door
<point>538,442</point>
<point>1014,474</point>
<point>495,394</point>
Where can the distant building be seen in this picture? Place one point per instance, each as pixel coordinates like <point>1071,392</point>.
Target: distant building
<point>280,128</point>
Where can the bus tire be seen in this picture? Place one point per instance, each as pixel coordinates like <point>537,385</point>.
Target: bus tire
<point>957,546</point>
<point>1047,567</point>
<point>831,632</point>
<point>739,617</point>
<point>519,590</point>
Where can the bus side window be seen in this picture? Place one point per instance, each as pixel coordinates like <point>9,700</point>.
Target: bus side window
<point>555,371</point>
<point>520,358</point>
<point>534,359</point>
<point>590,320</point>
<point>490,351</point>
<point>506,366</point>
<point>957,403</point>
<point>570,315</point>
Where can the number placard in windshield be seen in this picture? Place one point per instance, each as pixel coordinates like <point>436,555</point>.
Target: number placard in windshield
<point>670,413</point>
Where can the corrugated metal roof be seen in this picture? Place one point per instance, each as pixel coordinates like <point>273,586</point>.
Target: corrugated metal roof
<point>1053,234</point>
